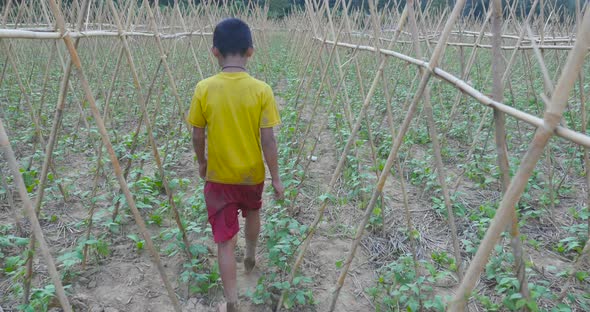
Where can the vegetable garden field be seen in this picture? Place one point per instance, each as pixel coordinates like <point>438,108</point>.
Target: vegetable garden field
<point>433,158</point>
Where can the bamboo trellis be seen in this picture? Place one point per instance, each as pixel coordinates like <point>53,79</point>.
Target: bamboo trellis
<point>26,13</point>
<point>569,74</point>
<point>338,40</point>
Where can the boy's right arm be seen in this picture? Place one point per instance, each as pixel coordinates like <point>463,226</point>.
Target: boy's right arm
<point>269,148</point>
<point>199,147</point>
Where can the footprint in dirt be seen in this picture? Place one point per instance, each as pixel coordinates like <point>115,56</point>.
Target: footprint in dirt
<point>247,281</point>
<point>247,284</point>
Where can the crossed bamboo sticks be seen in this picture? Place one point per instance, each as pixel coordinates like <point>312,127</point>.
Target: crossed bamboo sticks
<point>545,127</point>
<point>499,111</point>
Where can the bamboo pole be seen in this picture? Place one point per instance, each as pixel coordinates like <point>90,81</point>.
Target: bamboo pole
<point>552,117</point>
<point>436,56</point>
<point>165,63</point>
<point>560,131</point>
<point>135,141</point>
<point>192,49</point>
<point>501,146</point>
<point>212,61</point>
<point>515,47</point>
<point>6,12</point>
<point>549,88</point>
<point>584,254</point>
<point>520,37</point>
<point>403,187</point>
<point>6,149</point>
<point>355,148</point>
<point>347,108</point>
<point>90,218</point>
<point>367,117</point>
<point>305,80</point>
<point>338,170</point>
<point>10,199</point>
<point>309,80</point>
<point>99,164</point>
<point>360,79</point>
<point>586,150</point>
<point>46,80</point>
<point>409,224</point>
<point>115,162</point>
<point>438,162</point>
<point>323,82</point>
<point>321,127</point>
<point>4,67</point>
<point>149,130</point>
<point>466,72</point>
<point>21,84</point>
<point>53,136</point>
<point>481,125</point>
<point>52,35</point>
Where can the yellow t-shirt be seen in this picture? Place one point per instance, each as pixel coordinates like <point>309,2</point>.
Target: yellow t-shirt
<point>233,107</point>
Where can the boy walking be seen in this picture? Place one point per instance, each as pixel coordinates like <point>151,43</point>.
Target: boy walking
<point>239,113</point>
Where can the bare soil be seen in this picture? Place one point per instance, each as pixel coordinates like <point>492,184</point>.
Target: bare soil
<point>127,280</point>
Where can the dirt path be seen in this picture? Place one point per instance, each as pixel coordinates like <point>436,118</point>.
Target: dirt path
<point>332,240</point>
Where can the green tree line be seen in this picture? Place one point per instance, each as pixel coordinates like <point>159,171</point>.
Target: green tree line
<point>280,8</point>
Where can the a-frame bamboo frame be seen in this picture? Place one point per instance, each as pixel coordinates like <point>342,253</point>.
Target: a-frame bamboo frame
<point>326,31</point>
<point>499,109</point>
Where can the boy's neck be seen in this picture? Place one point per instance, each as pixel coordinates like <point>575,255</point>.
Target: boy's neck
<point>234,63</point>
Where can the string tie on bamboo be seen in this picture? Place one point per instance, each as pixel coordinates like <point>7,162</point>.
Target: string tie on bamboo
<point>550,121</point>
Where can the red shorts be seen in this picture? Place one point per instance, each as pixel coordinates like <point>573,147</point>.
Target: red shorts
<point>223,202</point>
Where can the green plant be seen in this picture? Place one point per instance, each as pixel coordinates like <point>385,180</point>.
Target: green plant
<point>438,203</point>
<point>30,179</point>
<point>283,235</point>
<point>400,287</point>
<point>443,259</point>
<point>200,279</point>
<point>40,299</point>
<point>138,241</point>
<point>574,243</point>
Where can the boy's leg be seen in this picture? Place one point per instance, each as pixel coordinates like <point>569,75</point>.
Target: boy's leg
<point>227,269</point>
<point>223,218</point>
<point>251,229</point>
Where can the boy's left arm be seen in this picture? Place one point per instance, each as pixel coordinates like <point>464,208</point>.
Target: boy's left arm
<point>269,118</point>
<point>199,147</point>
<point>269,149</point>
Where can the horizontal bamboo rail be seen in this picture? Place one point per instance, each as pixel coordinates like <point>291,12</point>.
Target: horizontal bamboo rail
<point>515,37</point>
<point>545,46</point>
<point>29,34</point>
<point>474,34</point>
<point>527,47</point>
<point>100,26</point>
<point>560,131</point>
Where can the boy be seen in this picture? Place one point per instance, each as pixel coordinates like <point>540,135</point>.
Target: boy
<point>239,113</point>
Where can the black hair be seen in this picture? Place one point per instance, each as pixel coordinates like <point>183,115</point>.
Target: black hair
<point>232,36</point>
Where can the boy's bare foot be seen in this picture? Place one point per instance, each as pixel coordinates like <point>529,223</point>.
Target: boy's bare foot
<point>249,264</point>
<point>228,307</point>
